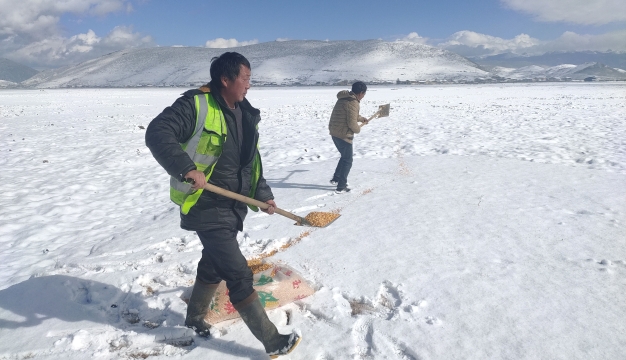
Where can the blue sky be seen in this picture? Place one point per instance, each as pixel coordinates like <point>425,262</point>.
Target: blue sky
<point>49,33</point>
<point>193,22</point>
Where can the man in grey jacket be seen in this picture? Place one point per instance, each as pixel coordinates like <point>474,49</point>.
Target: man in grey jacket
<point>344,123</point>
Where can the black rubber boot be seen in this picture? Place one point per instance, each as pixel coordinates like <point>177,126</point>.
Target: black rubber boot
<point>253,314</point>
<point>199,303</point>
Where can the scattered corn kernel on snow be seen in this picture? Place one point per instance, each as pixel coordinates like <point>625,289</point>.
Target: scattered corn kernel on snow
<point>484,222</point>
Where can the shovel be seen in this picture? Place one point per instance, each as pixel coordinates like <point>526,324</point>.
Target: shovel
<point>324,220</point>
<point>383,111</point>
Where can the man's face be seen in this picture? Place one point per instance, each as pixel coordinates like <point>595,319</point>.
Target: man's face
<point>236,90</point>
<point>360,96</point>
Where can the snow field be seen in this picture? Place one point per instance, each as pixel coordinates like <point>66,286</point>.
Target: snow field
<point>484,222</point>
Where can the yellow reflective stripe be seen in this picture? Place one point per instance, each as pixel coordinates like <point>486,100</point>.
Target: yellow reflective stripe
<point>204,159</point>
<point>192,199</point>
<point>216,114</point>
<point>177,196</point>
<point>255,174</point>
<point>179,185</point>
<point>191,145</point>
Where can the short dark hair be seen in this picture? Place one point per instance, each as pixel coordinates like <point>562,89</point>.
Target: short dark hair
<point>359,87</point>
<point>228,64</point>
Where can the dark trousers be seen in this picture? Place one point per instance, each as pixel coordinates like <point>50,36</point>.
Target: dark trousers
<point>222,260</point>
<point>345,162</point>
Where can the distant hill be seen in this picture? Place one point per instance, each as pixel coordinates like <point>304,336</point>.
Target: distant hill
<point>573,72</point>
<point>611,59</point>
<point>7,84</point>
<point>602,72</point>
<point>297,62</point>
<point>14,72</point>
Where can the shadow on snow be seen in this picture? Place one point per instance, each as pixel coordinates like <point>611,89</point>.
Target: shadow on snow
<point>72,299</point>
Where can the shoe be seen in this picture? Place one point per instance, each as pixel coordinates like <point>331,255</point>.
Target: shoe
<point>294,340</point>
<point>198,307</point>
<point>335,182</point>
<point>342,191</point>
<point>254,316</point>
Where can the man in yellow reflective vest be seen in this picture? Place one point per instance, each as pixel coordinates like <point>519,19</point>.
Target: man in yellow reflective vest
<point>211,135</point>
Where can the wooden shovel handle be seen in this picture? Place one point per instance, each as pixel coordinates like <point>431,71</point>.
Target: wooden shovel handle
<point>250,201</point>
<point>373,116</point>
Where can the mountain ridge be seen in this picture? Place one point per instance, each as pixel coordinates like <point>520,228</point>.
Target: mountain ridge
<point>615,59</point>
<point>311,62</point>
<point>589,71</point>
<point>13,72</point>
<point>296,62</point>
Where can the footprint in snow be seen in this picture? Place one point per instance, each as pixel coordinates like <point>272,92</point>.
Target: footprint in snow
<point>308,208</point>
<point>390,345</point>
<point>362,335</point>
<point>260,227</point>
<point>606,265</point>
<point>432,320</point>
<point>312,198</point>
<point>390,298</point>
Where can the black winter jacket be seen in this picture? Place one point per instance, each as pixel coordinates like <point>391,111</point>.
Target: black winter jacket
<point>175,125</point>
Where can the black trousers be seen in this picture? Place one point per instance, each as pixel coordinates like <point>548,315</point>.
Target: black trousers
<point>345,162</point>
<point>222,260</point>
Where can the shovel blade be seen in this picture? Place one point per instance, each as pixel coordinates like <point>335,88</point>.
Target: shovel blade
<point>324,221</point>
<point>383,110</point>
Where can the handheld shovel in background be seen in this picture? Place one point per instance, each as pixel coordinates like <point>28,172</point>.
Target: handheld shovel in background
<point>315,219</point>
<point>383,111</point>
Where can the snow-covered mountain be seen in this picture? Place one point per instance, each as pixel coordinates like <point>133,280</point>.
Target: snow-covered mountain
<point>13,72</point>
<point>273,63</point>
<point>565,71</point>
<point>7,84</point>
<point>613,59</point>
<point>308,62</point>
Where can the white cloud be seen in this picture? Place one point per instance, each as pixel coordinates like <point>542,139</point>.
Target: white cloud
<point>228,43</point>
<point>283,39</point>
<point>414,37</point>
<point>105,7</point>
<point>123,37</point>
<point>571,41</point>
<point>30,32</point>
<point>587,12</point>
<point>59,51</point>
<point>38,19</point>
<point>490,43</point>
<point>469,43</point>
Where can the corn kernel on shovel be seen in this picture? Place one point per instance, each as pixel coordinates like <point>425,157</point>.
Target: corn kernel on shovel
<point>314,219</point>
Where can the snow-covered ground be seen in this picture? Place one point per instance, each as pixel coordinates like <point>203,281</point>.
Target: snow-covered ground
<point>485,222</point>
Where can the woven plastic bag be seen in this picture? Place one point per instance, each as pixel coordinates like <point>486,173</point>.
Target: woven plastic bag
<point>277,286</point>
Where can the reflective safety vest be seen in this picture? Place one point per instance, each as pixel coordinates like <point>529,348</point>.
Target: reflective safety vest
<point>204,148</point>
